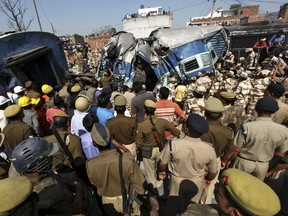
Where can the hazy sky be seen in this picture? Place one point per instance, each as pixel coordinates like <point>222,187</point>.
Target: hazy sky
<point>82,16</point>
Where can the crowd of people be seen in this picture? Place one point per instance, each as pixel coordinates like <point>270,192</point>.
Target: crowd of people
<point>213,145</point>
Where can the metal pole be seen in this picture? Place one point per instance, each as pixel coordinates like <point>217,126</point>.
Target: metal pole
<point>213,5</point>
<point>37,15</point>
<point>53,30</point>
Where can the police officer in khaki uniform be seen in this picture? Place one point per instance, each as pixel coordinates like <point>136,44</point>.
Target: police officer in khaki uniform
<point>258,140</point>
<point>16,131</point>
<point>4,160</point>
<point>60,160</point>
<point>123,128</point>
<point>103,171</point>
<point>30,92</point>
<point>239,193</point>
<point>220,137</point>
<point>55,196</point>
<point>144,137</point>
<point>276,91</point>
<point>105,80</point>
<point>190,158</point>
<point>80,58</point>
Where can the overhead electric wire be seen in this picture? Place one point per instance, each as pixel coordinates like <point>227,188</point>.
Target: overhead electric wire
<point>225,2</point>
<point>39,3</point>
<point>272,2</point>
<point>245,4</point>
<point>188,6</point>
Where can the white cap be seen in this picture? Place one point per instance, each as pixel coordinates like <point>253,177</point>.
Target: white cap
<point>18,89</point>
<point>3,100</point>
<point>248,49</point>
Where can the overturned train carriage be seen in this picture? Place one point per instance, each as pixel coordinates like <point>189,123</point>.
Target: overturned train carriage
<point>180,52</point>
<point>35,56</point>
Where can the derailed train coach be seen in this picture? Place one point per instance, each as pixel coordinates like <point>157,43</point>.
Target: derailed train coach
<point>179,52</point>
<point>35,56</point>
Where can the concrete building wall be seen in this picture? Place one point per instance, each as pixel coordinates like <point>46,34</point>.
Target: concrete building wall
<point>142,26</point>
<point>231,17</point>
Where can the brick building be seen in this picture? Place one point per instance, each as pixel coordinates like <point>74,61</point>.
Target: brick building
<point>97,41</point>
<point>283,13</point>
<point>245,14</point>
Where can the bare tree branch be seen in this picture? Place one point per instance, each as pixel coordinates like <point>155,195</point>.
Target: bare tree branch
<point>15,11</point>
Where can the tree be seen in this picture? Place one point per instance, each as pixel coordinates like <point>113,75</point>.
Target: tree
<point>235,6</point>
<point>15,11</point>
<point>104,30</point>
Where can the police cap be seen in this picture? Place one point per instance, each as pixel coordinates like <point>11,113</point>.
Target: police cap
<point>197,123</point>
<point>249,193</point>
<point>214,105</point>
<point>28,84</point>
<point>12,110</point>
<point>60,114</point>
<point>267,104</point>
<point>120,100</point>
<point>100,134</point>
<point>150,103</point>
<point>75,88</point>
<point>14,191</point>
<point>276,88</point>
<point>227,95</point>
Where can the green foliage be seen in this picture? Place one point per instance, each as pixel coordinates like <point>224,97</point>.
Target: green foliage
<point>235,6</point>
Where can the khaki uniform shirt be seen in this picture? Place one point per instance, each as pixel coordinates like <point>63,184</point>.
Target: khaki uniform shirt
<point>282,114</point>
<point>74,145</point>
<point>129,96</point>
<point>283,81</point>
<point>195,209</point>
<point>64,93</point>
<point>122,128</point>
<point>191,159</point>
<point>103,173</point>
<point>221,138</point>
<point>106,81</point>
<point>144,135</point>
<point>259,139</point>
<point>16,132</point>
<point>33,94</point>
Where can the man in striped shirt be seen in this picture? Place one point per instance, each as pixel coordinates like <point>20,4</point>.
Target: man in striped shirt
<point>167,109</point>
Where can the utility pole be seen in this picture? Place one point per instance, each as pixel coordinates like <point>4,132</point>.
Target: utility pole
<point>37,15</point>
<point>213,5</point>
<point>53,30</point>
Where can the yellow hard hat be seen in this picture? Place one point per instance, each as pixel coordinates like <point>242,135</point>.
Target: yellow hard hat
<point>35,101</point>
<point>24,101</point>
<point>46,89</point>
